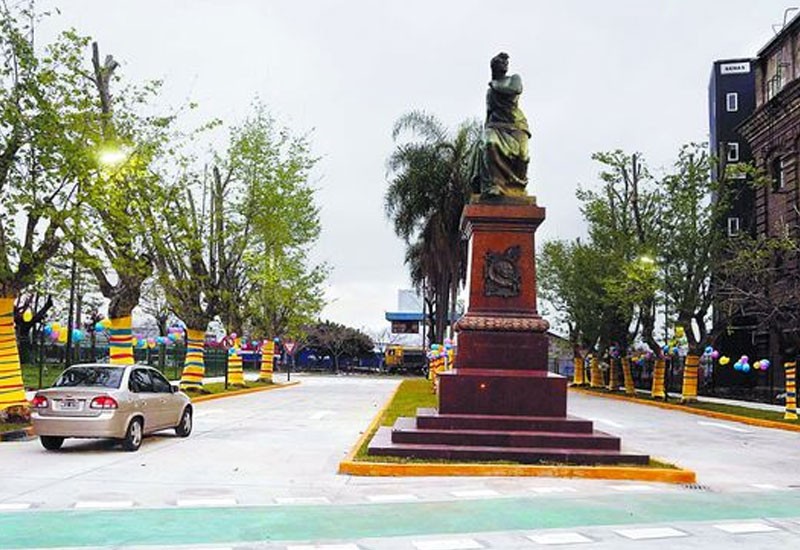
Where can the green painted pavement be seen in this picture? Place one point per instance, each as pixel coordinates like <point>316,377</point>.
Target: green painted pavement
<point>47,529</point>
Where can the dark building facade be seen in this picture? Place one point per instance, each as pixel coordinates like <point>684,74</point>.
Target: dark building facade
<point>731,100</point>
<point>772,132</point>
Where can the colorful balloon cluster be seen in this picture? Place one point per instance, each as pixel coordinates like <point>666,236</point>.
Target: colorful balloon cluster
<point>58,333</point>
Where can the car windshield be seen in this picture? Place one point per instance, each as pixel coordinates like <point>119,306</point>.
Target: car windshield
<point>104,377</point>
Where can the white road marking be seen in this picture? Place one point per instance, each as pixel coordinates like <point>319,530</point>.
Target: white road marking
<point>200,414</point>
<point>543,490</point>
<point>723,426</point>
<point>478,493</point>
<point>631,488</point>
<point>319,415</point>
<point>95,504</point>
<point>12,506</point>
<point>323,547</point>
<point>302,500</point>
<point>610,423</point>
<point>392,498</point>
<point>207,501</point>
<point>750,527</point>
<point>447,544</point>
<point>559,538</point>
<point>769,487</point>
<point>651,533</point>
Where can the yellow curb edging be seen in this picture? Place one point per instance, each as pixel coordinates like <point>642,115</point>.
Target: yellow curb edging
<point>211,397</point>
<point>350,466</point>
<point>662,475</point>
<point>373,426</point>
<point>700,412</point>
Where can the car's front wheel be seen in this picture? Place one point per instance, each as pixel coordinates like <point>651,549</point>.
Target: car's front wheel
<point>51,442</point>
<point>184,428</point>
<point>134,435</point>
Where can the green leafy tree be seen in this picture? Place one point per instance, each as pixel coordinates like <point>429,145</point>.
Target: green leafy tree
<point>428,189</point>
<point>624,227</point>
<point>338,340</point>
<point>42,157</point>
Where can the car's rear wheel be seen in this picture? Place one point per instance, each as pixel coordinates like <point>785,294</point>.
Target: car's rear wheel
<point>184,428</point>
<point>133,435</point>
<point>51,442</point>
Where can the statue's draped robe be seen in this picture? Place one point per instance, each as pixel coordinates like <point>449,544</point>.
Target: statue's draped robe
<point>502,162</point>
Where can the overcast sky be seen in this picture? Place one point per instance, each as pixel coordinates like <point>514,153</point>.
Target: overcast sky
<point>598,75</point>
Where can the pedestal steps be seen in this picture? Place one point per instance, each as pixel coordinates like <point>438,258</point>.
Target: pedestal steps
<point>524,439</point>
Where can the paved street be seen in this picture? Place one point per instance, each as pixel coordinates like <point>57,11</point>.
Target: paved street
<point>260,472</point>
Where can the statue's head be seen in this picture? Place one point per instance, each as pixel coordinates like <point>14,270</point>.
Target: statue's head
<point>499,65</point>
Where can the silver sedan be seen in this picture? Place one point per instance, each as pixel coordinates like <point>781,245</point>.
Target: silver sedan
<point>124,402</point>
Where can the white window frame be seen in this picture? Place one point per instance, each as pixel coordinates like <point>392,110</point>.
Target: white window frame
<point>733,151</point>
<point>732,102</point>
<point>734,226</point>
<point>781,175</point>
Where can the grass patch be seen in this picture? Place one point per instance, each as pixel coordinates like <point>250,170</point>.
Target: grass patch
<point>735,410</point>
<point>219,387</point>
<point>50,373</point>
<point>10,427</point>
<point>417,393</point>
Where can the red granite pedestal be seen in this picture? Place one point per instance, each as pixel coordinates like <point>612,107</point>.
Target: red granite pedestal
<point>501,403</point>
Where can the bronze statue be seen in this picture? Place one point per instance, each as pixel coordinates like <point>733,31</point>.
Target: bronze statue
<point>500,163</point>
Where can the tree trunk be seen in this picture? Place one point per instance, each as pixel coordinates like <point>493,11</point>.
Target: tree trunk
<point>267,361</point>
<point>120,341</point>
<point>627,375</point>
<point>194,367</point>
<point>235,369</point>
<point>12,391</point>
<point>596,375</point>
<point>690,369</point>
<point>579,375</point>
<point>657,389</point>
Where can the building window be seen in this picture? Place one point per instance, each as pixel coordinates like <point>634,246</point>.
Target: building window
<point>733,227</point>
<point>778,174</point>
<point>732,102</point>
<point>733,152</point>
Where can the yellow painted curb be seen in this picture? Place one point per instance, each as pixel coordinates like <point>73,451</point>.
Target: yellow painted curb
<point>373,426</point>
<point>663,475</point>
<point>700,412</point>
<point>213,396</point>
<point>362,468</point>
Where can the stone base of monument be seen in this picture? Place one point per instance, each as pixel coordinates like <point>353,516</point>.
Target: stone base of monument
<point>484,437</point>
<point>501,403</point>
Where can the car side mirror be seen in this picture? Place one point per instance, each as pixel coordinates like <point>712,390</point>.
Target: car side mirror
<point>174,388</point>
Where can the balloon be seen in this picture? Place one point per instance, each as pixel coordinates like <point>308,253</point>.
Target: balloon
<point>98,327</point>
<point>77,335</point>
<point>27,316</point>
<point>54,335</point>
<point>48,329</point>
<point>714,354</point>
<point>744,359</point>
<point>724,360</point>
<point>56,327</point>
<point>709,350</point>
<point>765,364</point>
<point>679,332</point>
<point>233,335</point>
<point>62,337</point>
<point>757,365</point>
<point>746,367</point>
<point>231,351</point>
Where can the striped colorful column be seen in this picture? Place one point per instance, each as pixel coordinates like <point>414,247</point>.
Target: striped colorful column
<point>267,361</point>
<point>235,371</point>
<point>627,376</point>
<point>613,376</point>
<point>120,341</point>
<point>791,390</point>
<point>579,376</point>
<point>194,367</point>
<point>595,374</point>
<point>690,368</point>
<point>659,369</point>
<point>12,391</point>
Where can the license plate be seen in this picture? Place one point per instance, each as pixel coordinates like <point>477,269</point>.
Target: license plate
<point>69,404</point>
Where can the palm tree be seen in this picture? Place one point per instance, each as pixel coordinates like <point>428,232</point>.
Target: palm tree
<point>428,188</point>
